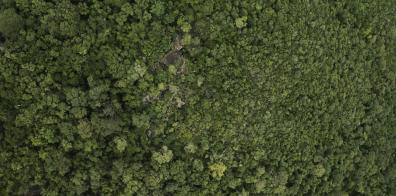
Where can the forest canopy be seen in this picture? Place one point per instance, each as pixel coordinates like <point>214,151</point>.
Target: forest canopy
<point>197,97</point>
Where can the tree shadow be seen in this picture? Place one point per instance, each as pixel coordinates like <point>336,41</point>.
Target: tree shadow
<point>2,38</point>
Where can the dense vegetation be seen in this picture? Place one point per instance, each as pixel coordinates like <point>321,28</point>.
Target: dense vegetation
<point>198,97</point>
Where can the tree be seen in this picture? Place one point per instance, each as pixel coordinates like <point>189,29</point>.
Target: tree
<point>10,23</point>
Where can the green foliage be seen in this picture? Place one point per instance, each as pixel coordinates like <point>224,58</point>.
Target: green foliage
<point>10,23</point>
<point>121,144</point>
<point>165,156</point>
<point>197,97</point>
<point>217,170</point>
<point>241,22</point>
